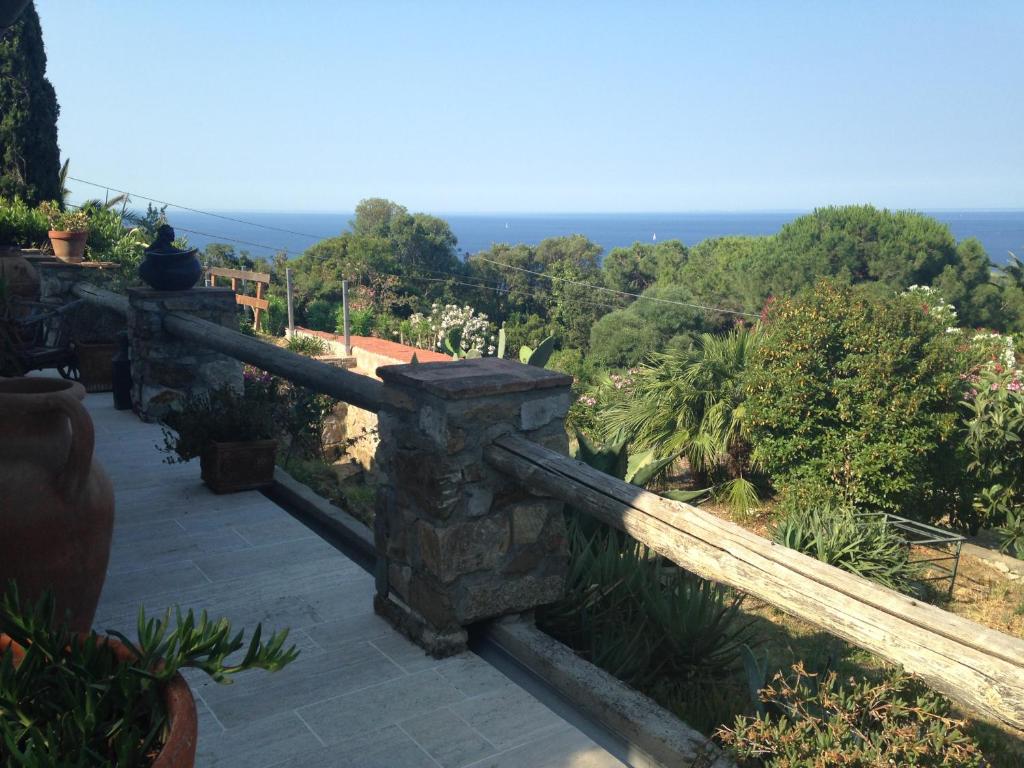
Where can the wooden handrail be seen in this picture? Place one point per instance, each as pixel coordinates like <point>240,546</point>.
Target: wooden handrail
<point>362,391</point>
<point>101,297</point>
<point>239,274</point>
<point>981,669</point>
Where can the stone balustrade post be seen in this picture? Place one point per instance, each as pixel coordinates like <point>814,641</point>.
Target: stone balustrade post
<point>166,368</point>
<point>457,541</point>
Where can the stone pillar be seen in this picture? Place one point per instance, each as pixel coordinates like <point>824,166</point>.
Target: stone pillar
<point>56,279</point>
<point>457,541</point>
<point>164,367</point>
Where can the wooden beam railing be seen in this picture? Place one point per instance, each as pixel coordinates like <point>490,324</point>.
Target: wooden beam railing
<point>258,303</point>
<point>361,391</point>
<point>981,669</point>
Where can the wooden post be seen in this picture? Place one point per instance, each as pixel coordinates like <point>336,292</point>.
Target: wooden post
<point>256,310</point>
<point>344,310</point>
<point>288,289</point>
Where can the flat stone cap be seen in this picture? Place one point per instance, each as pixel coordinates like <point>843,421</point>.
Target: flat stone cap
<point>197,291</point>
<point>473,378</point>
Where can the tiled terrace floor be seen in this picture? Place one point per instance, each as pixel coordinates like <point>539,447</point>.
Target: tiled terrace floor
<point>359,695</point>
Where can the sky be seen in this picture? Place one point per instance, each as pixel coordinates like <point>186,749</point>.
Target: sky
<point>542,106</point>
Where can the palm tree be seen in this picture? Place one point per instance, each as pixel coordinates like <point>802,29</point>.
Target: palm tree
<point>692,404</point>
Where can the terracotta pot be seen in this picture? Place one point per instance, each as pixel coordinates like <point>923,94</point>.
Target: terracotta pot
<point>179,750</point>
<point>96,365</point>
<point>242,466</point>
<point>18,274</point>
<point>56,503</point>
<point>68,246</point>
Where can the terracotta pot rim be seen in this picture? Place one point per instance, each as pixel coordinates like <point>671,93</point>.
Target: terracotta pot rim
<point>68,234</point>
<point>20,387</point>
<point>183,726</point>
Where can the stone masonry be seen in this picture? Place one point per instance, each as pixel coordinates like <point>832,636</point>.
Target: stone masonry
<point>457,541</point>
<point>164,367</point>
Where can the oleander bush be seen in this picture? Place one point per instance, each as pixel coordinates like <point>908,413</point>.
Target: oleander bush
<point>994,437</point>
<point>815,522</point>
<point>812,721</point>
<point>860,390</point>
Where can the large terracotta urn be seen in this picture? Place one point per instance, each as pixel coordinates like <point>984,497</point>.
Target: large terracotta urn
<point>56,502</point>
<point>18,274</point>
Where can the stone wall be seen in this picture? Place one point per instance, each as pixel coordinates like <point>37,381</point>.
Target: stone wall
<point>166,368</point>
<point>457,541</point>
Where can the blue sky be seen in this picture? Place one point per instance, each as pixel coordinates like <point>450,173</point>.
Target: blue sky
<point>543,106</point>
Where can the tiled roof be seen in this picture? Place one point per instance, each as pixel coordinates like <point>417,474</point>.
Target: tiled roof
<point>400,352</point>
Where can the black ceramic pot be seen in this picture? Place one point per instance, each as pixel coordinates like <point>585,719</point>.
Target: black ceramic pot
<point>171,271</point>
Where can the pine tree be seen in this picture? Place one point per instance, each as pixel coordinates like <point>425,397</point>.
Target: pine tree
<point>29,156</point>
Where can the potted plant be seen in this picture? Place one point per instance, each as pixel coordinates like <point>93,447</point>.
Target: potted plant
<point>68,232</point>
<point>232,435</point>
<point>69,698</point>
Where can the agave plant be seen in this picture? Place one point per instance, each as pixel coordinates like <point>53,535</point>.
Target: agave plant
<point>691,404</point>
<point>642,617</point>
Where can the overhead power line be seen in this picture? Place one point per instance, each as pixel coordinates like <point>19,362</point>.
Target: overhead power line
<point>197,210</point>
<point>619,293</point>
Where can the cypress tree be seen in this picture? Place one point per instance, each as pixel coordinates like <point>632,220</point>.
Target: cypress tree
<point>29,156</point>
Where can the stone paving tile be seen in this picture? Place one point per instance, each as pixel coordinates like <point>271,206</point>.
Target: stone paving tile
<point>404,653</point>
<point>148,585</point>
<point>472,675</point>
<point>563,747</point>
<point>388,747</point>
<point>257,743</point>
<point>309,679</point>
<point>380,705</point>
<point>506,716</point>
<point>364,625</point>
<point>280,529</point>
<point>257,561</point>
<point>447,738</point>
<point>151,552</point>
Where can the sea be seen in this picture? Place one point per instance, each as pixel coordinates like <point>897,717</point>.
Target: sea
<point>263,233</point>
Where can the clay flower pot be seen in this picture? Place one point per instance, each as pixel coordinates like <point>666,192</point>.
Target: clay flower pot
<point>56,503</point>
<point>68,246</point>
<point>242,466</point>
<point>179,750</point>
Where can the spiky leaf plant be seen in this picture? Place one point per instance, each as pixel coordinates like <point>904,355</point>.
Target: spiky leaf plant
<point>71,701</point>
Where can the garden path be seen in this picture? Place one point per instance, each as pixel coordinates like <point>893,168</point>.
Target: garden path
<point>360,695</point>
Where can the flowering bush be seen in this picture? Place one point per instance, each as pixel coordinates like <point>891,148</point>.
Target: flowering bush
<point>453,329</point>
<point>994,436</point>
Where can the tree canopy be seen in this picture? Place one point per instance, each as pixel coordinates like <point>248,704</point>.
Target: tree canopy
<point>29,155</point>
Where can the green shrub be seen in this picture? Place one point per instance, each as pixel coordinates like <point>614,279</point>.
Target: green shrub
<point>861,391</point>
<point>21,224</point>
<point>311,346</point>
<point>360,321</point>
<point>814,522</point>
<point>320,315</point>
<point>1011,534</point>
<point>275,319</point>
<point>817,722</point>
<point>994,437</point>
